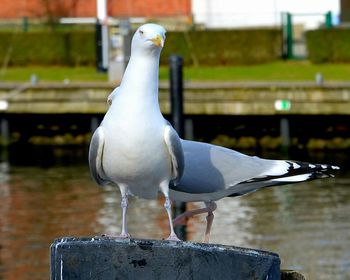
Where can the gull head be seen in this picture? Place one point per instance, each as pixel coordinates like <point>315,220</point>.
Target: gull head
<point>148,38</point>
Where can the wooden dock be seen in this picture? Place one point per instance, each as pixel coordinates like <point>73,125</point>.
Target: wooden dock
<point>201,98</point>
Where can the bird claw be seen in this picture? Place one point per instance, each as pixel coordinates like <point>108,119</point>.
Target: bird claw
<point>173,237</point>
<point>124,235</point>
<point>206,239</point>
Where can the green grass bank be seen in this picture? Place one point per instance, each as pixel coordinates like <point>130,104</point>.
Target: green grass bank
<point>274,71</point>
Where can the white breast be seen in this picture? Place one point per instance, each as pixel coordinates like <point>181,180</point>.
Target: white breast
<point>136,155</point>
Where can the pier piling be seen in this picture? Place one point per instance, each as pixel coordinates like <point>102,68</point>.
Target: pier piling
<point>105,258</point>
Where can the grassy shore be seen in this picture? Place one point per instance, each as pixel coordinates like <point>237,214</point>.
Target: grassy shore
<point>52,74</point>
<point>277,71</point>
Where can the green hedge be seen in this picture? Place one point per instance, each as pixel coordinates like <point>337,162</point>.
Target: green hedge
<point>215,47</point>
<point>225,47</point>
<point>47,48</point>
<point>328,45</point>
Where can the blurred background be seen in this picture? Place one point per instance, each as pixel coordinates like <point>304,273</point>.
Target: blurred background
<point>268,78</point>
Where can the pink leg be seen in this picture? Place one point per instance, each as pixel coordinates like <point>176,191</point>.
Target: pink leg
<point>164,187</point>
<point>124,205</point>
<point>210,208</point>
<point>172,236</point>
<point>210,219</point>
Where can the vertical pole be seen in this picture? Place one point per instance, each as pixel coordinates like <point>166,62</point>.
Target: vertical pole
<point>176,100</point>
<point>4,132</point>
<point>105,46</point>
<point>25,24</point>
<point>98,39</point>
<point>94,124</point>
<point>189,129</point>
<point>176,93</point>
<point>101,50</point>
<point>328,20</point>
<point>285,134</point>
<point>102,38</point>
<point>290,53</point>
<point>125,30</point>
<point>5,140</point>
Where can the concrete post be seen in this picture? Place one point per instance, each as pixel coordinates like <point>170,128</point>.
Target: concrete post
<point>103,258</point>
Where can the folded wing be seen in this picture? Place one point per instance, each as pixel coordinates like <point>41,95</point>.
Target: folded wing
<point>213,172</point>
<point>96,156</point>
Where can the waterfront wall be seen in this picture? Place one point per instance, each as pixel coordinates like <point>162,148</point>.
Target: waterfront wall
<point>199,98</point>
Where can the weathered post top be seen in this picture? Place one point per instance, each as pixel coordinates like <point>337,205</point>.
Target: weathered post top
<point>107,258</point>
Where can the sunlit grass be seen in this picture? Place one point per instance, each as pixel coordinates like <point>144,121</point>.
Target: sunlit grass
<point>277,71</point>
<point>52,73</point>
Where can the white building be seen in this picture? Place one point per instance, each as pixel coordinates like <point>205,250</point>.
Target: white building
<point>251,13</point>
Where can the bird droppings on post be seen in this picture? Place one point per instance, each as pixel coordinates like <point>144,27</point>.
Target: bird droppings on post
<point>106,258</point>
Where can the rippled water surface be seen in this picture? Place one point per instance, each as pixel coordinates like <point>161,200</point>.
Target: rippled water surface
<point>308,224</point>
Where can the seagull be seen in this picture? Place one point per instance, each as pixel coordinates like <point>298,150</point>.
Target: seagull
<point>136,149</point>
<point>212,172</point>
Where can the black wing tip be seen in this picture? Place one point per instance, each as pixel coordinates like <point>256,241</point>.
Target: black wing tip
<point>311,171</point>
<point>317,170</point>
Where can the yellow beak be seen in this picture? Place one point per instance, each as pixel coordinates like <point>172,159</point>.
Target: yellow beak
<point>158,41</point>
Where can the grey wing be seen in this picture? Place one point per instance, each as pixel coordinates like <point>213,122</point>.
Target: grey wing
<point>213,172</point>
<point>173,143</point>
<point>96,157</point>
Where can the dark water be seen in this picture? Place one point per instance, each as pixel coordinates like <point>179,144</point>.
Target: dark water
<point>308,224</point>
